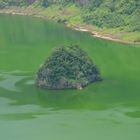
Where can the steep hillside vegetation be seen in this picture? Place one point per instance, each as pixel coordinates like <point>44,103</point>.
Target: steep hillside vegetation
<point>106,13</point>
<point>111,16</point>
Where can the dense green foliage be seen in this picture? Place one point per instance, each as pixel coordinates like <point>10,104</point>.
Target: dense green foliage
<point>67,67</point>
<point>102,13</point>
<point>107,13</point>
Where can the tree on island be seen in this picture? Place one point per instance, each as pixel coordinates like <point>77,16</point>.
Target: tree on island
<point>67,68</point>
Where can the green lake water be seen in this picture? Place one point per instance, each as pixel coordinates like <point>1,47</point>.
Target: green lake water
<point>107,110</point>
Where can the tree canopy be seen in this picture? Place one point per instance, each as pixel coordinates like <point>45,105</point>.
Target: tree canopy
<point>67,67</point>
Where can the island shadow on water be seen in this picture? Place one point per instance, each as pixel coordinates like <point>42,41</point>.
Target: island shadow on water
<point>28,93</point>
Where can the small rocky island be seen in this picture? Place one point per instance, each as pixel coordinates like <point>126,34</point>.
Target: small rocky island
<point>67,68</point>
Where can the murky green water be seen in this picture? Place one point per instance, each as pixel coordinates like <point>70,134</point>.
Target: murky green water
<point>108,110</point>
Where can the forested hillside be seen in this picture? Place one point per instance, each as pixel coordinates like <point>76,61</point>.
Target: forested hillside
<point>107,13</point>
<point>118,15</point>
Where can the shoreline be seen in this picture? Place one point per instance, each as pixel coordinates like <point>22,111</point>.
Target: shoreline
<point>107,37</point>
<point>77,28</point>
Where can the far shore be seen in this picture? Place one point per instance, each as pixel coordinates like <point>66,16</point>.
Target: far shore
<point>77,28</point>
<point>107,37</point>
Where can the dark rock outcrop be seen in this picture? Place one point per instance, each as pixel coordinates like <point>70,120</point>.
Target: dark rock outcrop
<point>67,68</point>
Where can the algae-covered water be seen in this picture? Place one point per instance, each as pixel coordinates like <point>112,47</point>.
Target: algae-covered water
<point>107,110</point>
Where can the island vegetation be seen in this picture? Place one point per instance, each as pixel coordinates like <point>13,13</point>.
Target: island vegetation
<point>67,68</point>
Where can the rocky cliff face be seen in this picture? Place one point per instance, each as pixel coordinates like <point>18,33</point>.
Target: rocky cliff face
<point>67,68</point>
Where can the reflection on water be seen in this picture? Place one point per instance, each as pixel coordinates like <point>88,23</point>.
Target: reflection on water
<point>37,122</point>
<point>30,101</point>
<point>108,110</point>
<point>116,115</point>
<point>20,87</point>
<point>9,80</point>
<point>26,102</point>
<point>134,114</point>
